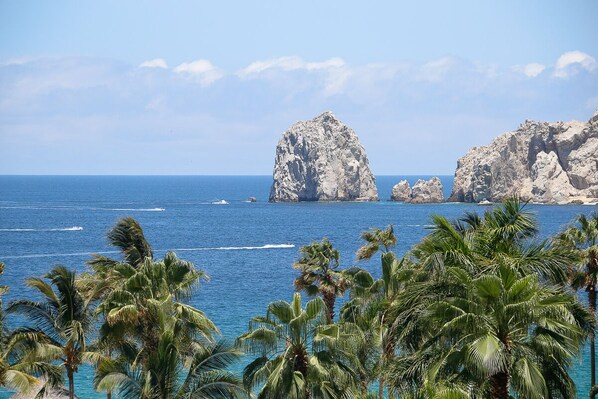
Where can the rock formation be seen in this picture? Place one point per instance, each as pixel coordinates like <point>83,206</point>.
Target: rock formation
<point>540,161</point>
<point>322,160</point>
<point>423,192</point>
<point>401,192</point>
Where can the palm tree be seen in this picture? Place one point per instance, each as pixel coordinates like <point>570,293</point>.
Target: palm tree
<point>133,307</point>
<point>319,274</point>
<point>299,356</point>
<point>499,332</point>
<point>62,321</point>
<point>377,240</point>
<point>373,297</point>
<point>128,236</point>
<point>475,247</point>
<point>133,293</point>
<point>13,374</point>
<point>178,366</point>
<point>476,244</point>
<point>583,239</point>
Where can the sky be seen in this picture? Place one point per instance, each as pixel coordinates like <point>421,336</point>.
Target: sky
<point>206,87</point>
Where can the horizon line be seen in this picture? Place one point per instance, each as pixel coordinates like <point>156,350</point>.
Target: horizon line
<point>187,175</point>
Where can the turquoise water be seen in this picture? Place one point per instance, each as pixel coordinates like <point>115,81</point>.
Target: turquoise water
<point>246,248</point>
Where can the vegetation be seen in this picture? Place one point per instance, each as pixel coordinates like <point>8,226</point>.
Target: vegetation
<point>14,365</point>
<point>479,308</point>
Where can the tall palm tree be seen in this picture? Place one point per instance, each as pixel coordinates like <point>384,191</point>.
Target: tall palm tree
<point>319,274</point>
<point>500,332</point>
<point>130,291</point>
<point>476,249</point>
<point>133,307</point>
<point>583,239</point>
<point>196,369</point>
<point>505,233</point>
<point>62,321</point>
<point>299,356</point>
<point>375,296</point>
<point>128,236</point>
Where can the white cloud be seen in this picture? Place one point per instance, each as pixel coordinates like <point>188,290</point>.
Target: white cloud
<point>155,63</point>
<point>530,70</point>
<point>435,71</point>
<point>203,70</point>
<point>570,62</point>
<point>290,63</point>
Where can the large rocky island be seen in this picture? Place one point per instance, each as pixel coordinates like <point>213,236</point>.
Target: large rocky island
<point>541,162</point>
<point>322,160</point>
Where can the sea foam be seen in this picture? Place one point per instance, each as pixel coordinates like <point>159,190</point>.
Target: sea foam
<point>74,228</point>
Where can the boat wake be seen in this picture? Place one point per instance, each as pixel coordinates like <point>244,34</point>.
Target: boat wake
<point>267,246</point>
<point>134,209</point>
<point>74,228</point>
<point>56,255</point>
<point>84,208</point>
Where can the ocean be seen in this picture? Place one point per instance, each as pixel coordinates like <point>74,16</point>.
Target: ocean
<point>246,248</point>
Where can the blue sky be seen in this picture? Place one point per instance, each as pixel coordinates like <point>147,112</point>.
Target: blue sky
<point>198,87</point>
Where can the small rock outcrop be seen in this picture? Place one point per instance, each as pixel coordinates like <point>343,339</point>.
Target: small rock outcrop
<point>541,162</point>
<point>322,160</point>
<point>401,192</point>
<point>423,192</point>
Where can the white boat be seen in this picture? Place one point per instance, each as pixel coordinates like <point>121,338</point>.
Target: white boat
<point>485,202</point>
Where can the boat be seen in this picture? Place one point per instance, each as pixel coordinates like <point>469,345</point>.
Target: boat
<point>485,202</point>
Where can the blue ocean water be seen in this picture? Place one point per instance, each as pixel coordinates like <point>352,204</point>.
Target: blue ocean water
<point>246,248</point>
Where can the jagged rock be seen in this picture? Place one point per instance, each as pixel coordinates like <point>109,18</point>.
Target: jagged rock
<point>423,192</point>
<point>401,192</point>
<point>427,192</point>
<point>322,160</point>
<point>540,161</point>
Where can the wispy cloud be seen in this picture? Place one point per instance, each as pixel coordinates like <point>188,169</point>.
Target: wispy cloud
<point>570,62</point>
<point>435,71</point>
<point>155,63</point>
<point>70,104</point>
<point>530,70</point>
<point>290,63</point>
<point>201,70</point>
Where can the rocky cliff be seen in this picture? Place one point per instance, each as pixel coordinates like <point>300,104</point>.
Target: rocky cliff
<point>540,161</point>
<point>423,192</point>
<point>322,160</point>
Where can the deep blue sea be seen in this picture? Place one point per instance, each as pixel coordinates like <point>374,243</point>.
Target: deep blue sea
<point>246,248</point>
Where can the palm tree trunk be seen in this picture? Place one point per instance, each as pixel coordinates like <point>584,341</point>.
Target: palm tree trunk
<point>71,383</point>
<point>592,302</point>
<point>381,388</point>
<point>329,299</point>
<point>499,385</point>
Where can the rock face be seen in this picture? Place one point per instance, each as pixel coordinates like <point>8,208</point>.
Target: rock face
<point>322,160</point>
<point>401,192</point>
<point>423,192</point>
<point>540,161</point>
